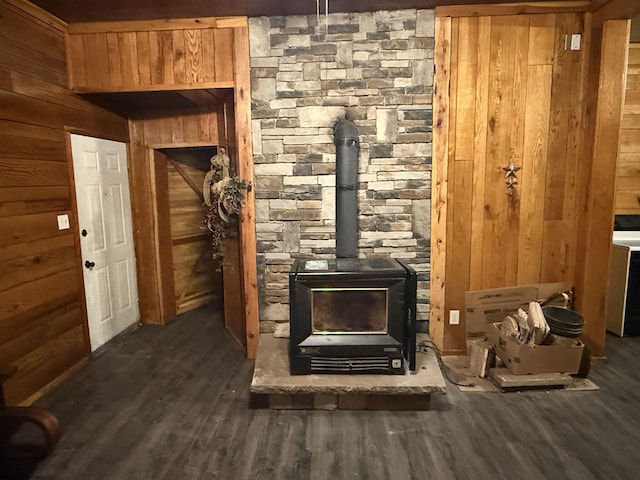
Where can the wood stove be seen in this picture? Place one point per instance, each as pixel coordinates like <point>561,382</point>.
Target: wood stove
<point>350,315</point>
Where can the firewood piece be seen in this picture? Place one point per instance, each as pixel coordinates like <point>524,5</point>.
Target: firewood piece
<point>537,323</point>
<point>480,357</point>
<point>509,327</point>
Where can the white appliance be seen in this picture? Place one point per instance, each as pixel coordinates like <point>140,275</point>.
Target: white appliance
<point>623,296</point>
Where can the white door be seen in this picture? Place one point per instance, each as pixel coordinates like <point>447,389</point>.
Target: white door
<point>106,236</point>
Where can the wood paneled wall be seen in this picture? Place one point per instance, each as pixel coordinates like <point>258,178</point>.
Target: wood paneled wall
<point>514,97</point>
<point>192,57</point>
<point>133,56</point>
<point>628,171</point>
<point>42,329</point>
<point>197,276</point>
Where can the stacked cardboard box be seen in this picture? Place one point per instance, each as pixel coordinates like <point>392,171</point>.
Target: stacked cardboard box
<point>485,309</point>
<point>563,357</point>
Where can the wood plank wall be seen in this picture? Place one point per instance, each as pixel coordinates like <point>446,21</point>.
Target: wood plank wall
<point>197,276</point>
<point>134,56</point>
<point>628,171</point>
<point>221,47</point>
<point>514,97</point>
<point>42,329</point>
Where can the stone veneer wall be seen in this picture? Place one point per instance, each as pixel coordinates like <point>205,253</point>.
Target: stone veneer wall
<point>377,69</point>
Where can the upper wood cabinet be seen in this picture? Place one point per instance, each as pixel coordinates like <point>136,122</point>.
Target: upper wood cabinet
<point>155,55</point>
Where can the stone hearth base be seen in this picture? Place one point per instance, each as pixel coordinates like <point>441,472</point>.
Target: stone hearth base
<point>273,387</point>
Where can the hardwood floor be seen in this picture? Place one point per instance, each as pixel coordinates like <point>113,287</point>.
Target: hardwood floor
<point>172,403</point>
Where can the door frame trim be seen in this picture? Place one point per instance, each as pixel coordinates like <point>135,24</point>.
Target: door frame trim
<point>162,235</point>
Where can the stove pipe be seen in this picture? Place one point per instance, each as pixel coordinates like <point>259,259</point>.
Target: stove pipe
<point>347,149</point>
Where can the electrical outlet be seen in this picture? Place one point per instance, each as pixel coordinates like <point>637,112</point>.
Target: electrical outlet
<point>454,317</point>
<point>63,222</point>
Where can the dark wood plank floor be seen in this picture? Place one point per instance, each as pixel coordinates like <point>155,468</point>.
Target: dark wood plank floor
<point>172,403</point>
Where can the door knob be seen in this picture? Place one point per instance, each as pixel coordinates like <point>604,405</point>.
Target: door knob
<point>84,232</point>
<point>89,264</point>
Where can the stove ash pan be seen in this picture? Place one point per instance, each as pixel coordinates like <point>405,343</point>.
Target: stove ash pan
<point>350,315</point>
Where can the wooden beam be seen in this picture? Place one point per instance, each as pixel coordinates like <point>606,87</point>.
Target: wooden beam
<point>242,103</point>
<point>220,94</point>
<point>160,87</point>
<point>160,146</point>
<point>195,237</point>
<point>185,176</point>
<point>603,116</point>
<point>440,165</point>
<point>199,97</point>
<point>513,8</point>
<point>156,25</point>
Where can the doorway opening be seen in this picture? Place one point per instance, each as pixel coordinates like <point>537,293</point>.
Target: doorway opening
<point>185,244</point>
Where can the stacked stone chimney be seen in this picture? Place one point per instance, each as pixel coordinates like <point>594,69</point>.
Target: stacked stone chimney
<point>377,70</point>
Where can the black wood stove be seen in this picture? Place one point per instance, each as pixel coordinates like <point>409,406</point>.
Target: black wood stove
<point>349,314</point>
<point>352,315</point>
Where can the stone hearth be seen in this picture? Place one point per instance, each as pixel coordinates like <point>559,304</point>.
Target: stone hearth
<point>274,387</point>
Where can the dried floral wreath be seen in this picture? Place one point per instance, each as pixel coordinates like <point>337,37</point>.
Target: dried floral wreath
<point>224,196</point>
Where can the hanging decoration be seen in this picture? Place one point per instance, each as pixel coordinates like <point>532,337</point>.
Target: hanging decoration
<point>511,177</point>
<point>224,195</point>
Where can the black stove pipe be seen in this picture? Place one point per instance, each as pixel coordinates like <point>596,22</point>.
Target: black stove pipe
<point>347,150</point>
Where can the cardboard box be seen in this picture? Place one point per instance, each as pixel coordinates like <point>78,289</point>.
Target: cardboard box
<point>484,307</point>
<point>523,359</point>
